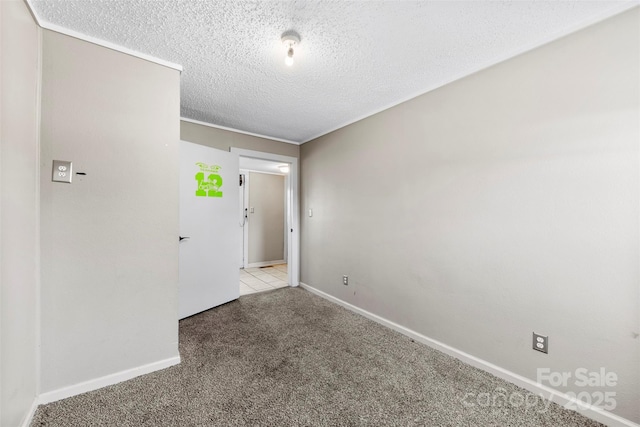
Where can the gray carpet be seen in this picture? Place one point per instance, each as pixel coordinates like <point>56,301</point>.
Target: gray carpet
<point>289,358</point>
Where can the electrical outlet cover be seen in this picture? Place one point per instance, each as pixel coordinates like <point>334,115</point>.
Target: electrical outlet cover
<point>541,343</point>
<point>62,171</point>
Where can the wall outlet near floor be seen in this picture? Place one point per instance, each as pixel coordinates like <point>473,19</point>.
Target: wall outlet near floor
<point>541,343</point>
<point>345,280</point>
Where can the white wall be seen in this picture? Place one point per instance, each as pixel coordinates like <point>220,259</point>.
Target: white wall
<point>20,74</point>
<point>109,239</point>
<point>503,203</point>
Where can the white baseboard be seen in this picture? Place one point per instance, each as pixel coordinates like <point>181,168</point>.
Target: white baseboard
<point>32,411</point>
<point>83,387</point>
<point>589,411</point>
<point>265,263</point>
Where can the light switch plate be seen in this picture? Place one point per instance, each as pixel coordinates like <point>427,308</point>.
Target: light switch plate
<point>62,171</point>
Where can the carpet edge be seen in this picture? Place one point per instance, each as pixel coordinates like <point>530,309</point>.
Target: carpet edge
<point>548,393</point>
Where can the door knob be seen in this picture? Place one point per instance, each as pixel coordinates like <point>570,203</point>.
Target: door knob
<point>182,238</point>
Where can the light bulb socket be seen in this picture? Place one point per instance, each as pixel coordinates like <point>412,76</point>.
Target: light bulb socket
<point>289,40</point>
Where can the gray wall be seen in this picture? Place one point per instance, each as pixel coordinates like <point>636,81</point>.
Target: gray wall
<point>20,40</point>
<point>223,140</point>
<point>266,222</point>
<point>109,240</point>
<point>500,204</point>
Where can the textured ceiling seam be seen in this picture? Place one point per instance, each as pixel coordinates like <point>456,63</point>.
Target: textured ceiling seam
<point>609,13</point>
<point>273,138</point>
<point>58,29</point>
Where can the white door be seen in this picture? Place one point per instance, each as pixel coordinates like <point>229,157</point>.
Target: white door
<point>209,274</point>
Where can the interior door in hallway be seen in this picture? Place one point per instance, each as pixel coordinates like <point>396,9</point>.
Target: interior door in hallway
<point>209,244</point>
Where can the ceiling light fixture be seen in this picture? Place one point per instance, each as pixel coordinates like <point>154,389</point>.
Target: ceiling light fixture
<point>284,168</point>
<point>289,40</point>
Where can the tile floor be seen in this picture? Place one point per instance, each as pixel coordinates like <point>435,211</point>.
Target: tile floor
<point>263,279</point>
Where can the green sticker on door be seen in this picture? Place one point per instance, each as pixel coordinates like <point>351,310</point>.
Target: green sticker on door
<point>209,181</point>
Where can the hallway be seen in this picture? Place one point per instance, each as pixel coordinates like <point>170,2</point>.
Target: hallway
<point>260,279</point>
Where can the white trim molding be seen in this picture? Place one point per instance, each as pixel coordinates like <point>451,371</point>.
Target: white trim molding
<point>257,135</point>
<point>107,380</point>
<point>541,390</point>
<point>109,45</point>
<point>26,422</point>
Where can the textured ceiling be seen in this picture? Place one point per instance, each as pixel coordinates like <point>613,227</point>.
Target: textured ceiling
<point>355,57</point>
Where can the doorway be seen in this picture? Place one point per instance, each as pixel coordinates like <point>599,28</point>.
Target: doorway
<point>259,279</point>
<point>264,206</point>
<point>291,234</point>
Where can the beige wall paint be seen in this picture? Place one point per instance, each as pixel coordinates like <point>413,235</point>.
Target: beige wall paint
<point>501,204</point>
<point>224,140</point>
<point>266,222</point>
<point>20,50</point>
<point>109,240</point>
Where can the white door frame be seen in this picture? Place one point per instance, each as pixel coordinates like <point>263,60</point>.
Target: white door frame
<point>293,208</point>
